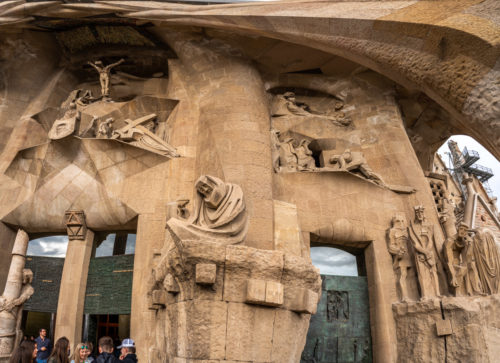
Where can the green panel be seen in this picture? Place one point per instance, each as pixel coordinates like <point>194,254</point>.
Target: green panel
<point>47,272</point>
<point>340,330</point>
<point>109,285</point>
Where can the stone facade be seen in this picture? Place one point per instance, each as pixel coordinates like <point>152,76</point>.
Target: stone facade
<point>234,137</point>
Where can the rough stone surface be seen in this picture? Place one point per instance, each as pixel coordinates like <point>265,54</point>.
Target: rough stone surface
<point>323,117</point>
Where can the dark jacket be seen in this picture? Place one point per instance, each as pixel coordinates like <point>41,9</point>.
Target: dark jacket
<point>107,358</point>
<point>130,358</point>
<point>43,343</point>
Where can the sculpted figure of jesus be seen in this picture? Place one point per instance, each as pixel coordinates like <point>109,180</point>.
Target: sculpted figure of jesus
<point>421,236</point>
<point>104,74</point>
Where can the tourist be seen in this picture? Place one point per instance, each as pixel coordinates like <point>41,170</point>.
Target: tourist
<point>81,354</point>
<point>106,351</point>
<point>44,346</point>
<point>128,351</point>
<point>25,353</point>
<point>61,351</point>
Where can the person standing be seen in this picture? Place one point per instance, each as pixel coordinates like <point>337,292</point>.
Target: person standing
<point>61,351</point>
<point>44,346</point>
<point>128,351</point>
<point>106,348</point>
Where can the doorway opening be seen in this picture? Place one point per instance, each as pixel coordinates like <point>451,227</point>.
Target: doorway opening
<point>96,326</point>
<point>340,329</point>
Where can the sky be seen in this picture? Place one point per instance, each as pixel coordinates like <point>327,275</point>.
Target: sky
<point>332,261</point>
<point>53,246</point>
<point>56,246</point>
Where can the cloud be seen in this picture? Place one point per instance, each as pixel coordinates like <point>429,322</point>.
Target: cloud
<point>332,261</point>
<point>52,246</point>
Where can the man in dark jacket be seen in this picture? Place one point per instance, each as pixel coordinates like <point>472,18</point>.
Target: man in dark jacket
<point>44,346</point>
<point>128,351</point>
<point>106,351</point>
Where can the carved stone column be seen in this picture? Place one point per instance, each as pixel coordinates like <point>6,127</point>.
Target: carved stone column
<point>13,286</point>
<point>69,317</point>
<point>469,204</point>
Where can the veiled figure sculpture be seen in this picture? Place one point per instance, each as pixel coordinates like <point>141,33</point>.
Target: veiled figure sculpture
<point>219,214</point>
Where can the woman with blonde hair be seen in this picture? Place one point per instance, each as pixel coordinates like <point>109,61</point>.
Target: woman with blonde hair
<point>81,354</point>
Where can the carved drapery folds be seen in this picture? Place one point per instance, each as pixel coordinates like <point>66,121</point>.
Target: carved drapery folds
<point>219,214</point>
<point>471,258</point>
<point>202,269</point>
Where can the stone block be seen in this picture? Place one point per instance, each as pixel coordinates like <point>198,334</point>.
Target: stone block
<point>289,336</point>
<point>302,300</point>
<point>158,299</point>
<point>206,273</point>
<point>244,263</point>
<point>443,327</point>
<point>287,235</point>
<point>250,332</point>
<point>198,330</point>
<point>170,284</point>
<point>256,291</point>
<point>262,292</point>
<point>274,293</point>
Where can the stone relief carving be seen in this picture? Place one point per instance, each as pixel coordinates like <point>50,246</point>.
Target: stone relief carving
<point>354,162</point>
<point>455,250</point>
<point>104,75</point>
<point>65,126</point>
<point>288,157</point>
<point>219,214</point>
<point>105,130</point>
<point>75,224</point>
<point>68,123</point>
<point>136,134</point>
<point>397,244</point>
<point>337,305</point>
<point>422,239</point>
<point>460,264</point>
<point>286,104</point>
<point>487,261</point>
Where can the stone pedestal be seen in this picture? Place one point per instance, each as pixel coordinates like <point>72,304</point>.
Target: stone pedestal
<point>243,308</point>
<point>451,329</point>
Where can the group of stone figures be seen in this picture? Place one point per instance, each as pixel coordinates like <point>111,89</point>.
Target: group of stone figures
<point>290,155</point>
<point>139,133</point>
<point>471,258</point>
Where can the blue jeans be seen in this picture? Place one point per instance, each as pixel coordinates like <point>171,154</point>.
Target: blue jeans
<point>41,361</point>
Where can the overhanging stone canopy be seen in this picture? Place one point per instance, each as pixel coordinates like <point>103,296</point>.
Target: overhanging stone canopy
<point>420,45</point>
